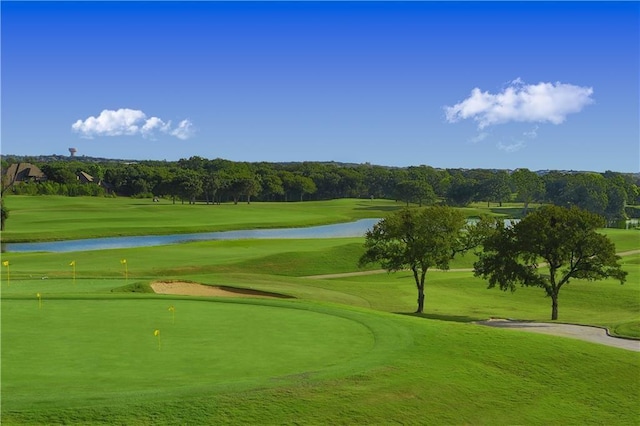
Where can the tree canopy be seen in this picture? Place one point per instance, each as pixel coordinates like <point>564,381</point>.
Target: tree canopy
<point>547,249</point>
<point>219,180</point>
<point>416,239</point>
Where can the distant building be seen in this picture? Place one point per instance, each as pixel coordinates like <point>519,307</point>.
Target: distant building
<point>84,177</point>
<point>24,172</point>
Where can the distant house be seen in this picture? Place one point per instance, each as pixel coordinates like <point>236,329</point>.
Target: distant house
<point>86,178</point>
<point>24,172</point>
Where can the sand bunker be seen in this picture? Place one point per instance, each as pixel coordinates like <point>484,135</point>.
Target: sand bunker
<point>193,289</point>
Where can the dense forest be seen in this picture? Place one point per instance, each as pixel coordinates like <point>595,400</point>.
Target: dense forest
<point>198,179</point>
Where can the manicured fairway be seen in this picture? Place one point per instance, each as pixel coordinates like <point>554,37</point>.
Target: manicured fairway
<point>414,371</point>
<point>71,351</point>
<point>342,351</point>
<point>51,217</point>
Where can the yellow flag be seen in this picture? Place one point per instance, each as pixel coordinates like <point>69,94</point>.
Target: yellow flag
<point>123,261</point>
<point>172,309</point>
<point>156,333</point>
<point>38,295</point>
<point>73,263</point>
<point>5,263</point>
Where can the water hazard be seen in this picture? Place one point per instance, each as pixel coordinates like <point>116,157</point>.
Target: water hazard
<point>340,230</point>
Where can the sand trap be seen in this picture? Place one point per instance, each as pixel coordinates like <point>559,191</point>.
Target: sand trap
<point>194,289</point>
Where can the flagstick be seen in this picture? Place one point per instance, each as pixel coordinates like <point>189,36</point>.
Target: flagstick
<point>39,300</point>
<point>157,334</point>
<point>173,314</point>
<point>73,265</point>
<point>8,275</point>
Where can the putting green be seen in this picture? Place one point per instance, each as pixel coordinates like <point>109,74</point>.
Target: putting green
<point>79,352</point>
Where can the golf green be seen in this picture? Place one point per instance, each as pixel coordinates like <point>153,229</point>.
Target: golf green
<point>70,352</point>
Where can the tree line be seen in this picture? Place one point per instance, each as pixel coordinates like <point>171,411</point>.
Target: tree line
<point>197,179</point>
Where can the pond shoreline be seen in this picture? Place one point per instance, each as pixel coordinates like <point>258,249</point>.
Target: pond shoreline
<point>339,230</point>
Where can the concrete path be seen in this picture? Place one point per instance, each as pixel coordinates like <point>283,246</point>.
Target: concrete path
<point>582,332</point>
<point>591,334</point>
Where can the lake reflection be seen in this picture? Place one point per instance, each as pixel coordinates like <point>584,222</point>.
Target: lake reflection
<point>340,230</point>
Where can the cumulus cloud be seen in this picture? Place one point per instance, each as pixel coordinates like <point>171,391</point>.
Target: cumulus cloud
<point>520,102</point>
<point>129,122</point>
<point>184,130</point>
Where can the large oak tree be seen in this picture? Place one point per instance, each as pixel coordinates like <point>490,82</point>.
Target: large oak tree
<point>417,239</point>
<point>547,249</point>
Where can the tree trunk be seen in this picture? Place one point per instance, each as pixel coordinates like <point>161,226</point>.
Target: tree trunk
<point>420,300</point>
<point>418,275</point>
<point>554,307</point>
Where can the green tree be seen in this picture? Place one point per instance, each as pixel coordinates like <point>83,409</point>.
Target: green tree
<point>59,172</point>
<point>297,184</point>
<point>415,191</point>
<point>460,190</point>
<point>529,187</point>
<point>616,202</point>
<point>416,239</point>
<point>250,186</point>
<point>188,183</point>
<point>496,188</point>
<point>4,214</point>
<point>5,184</point>
<point>211,185</point>
<point>547,249</point>
<point>587,191</point>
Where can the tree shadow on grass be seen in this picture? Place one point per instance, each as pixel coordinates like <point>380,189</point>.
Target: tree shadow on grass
<point>510,212</point>
<point>440,317</point>
<point>380,208</point>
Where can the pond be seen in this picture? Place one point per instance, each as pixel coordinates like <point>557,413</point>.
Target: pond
<point>340,230</point>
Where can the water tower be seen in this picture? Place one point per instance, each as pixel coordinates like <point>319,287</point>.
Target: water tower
<point>73,151</point>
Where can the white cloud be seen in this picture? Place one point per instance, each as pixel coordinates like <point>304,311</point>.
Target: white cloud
<point>516,146</point>
<point>128,122</point>
<point>519,102</point>
<point>531,134</point>
<point>152,124</point>
<point>479,137</point>
<point>184,130</point>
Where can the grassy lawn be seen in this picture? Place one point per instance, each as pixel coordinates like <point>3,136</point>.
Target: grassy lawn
<point>45,218</point>
<point>52,218</point>
<point>345,351</point>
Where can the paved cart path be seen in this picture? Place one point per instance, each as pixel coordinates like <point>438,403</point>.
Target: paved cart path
<point>582,332</point>
<point>588,333</point>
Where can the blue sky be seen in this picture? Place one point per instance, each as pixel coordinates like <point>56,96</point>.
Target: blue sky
<point>542,85</point>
